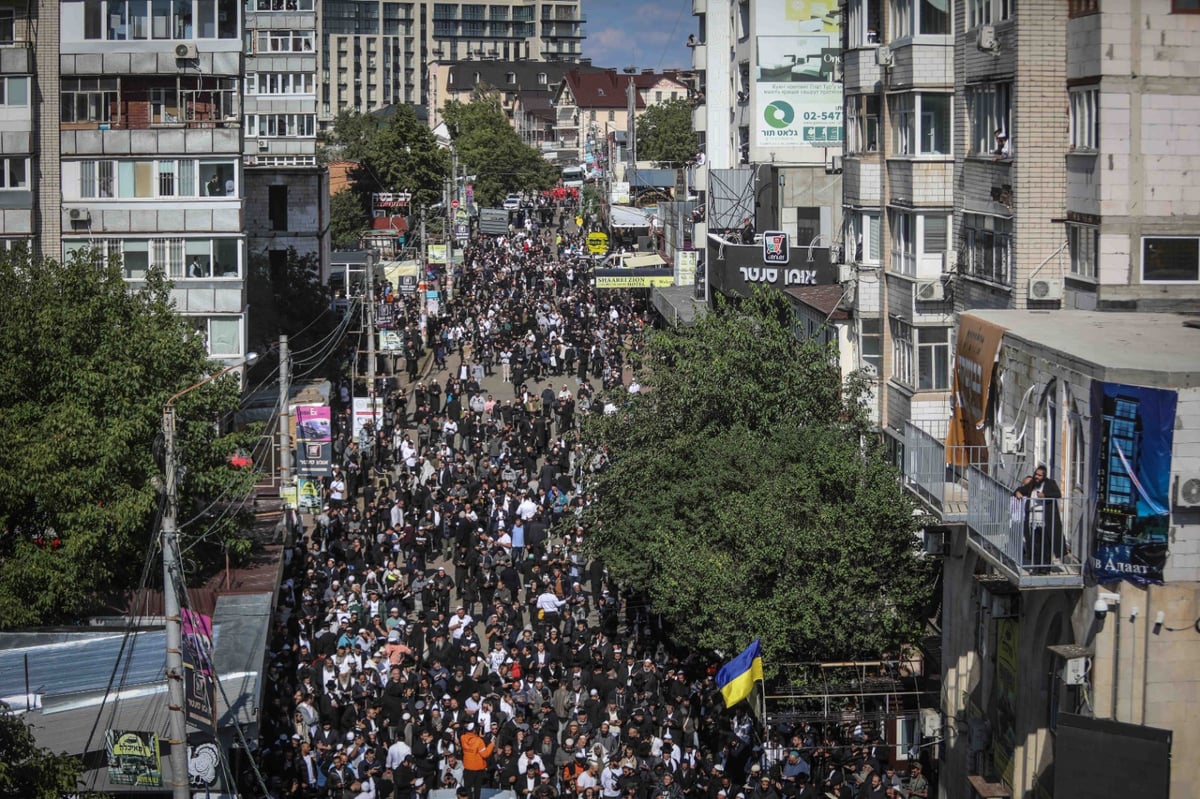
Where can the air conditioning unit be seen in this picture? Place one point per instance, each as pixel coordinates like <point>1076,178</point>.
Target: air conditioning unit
<point>1075,671</point>
<point>1045,289</point>
<point>185,50</point>
<point>835,165</point>
<point>930,290</point>
<point>883,56</point>
<point>262,145</point>
<point>1187,491</point>
<point>986,38</point>
<point>846,273</point>
<point>80,215</point>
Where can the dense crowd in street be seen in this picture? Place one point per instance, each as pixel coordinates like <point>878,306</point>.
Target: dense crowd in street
<point>441,627</point>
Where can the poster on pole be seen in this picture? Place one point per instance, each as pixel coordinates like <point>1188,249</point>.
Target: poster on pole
<point>685,267</point>
<point>314,439</point>
<point>798,99</point>
<point>1133,431</point>
<point>367,410</point>
<point>199,676</point>
<point>133,758</point>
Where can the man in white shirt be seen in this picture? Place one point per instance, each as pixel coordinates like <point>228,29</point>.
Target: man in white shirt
<point>459,622</point>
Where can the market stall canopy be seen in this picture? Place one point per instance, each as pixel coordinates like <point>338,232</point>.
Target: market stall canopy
<point>624,216</point>
<point>651,261</point>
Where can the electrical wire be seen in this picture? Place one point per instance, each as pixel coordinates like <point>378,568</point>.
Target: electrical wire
<point>671,37</point>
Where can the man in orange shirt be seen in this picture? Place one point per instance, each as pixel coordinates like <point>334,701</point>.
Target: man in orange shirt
<point>475,752</point>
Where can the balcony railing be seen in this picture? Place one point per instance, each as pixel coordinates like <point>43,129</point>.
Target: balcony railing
<point>929,475</point>
<point>1039,542</point>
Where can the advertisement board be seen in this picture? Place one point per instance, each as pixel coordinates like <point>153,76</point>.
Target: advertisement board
<point>133,758</point>
<point>797,100</point>
<point>633,278</point>
<point>199,678</point>
<point>1133,434</point>
<point>314,440</point>
<point>685,267</point>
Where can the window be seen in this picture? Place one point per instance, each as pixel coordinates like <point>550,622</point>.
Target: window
<point>990,106</point>
<point>277,203</point>
<point>14,172</point>
<point>1080,8</point>
<point>1083,241</point>
<point>542,79</point>
<point>1185,6</point>
<point>222,334</point>
<point>862,123</point>
<point>142,179</point>
<point>167,255</point>
<point>988,12</point>
<point>14,91</point>
<point>7,25</point>
<point>863,21</point>
<point>1171,259</point>
<point>164,107</point>
<point>88,99</point>
<point>904,244</point>
<point>284,5</point>
<point>870,344</point>
<point>1085,119</point>
<point>923,17</point>
<point>863,236</point>
<point>987,244</point>
<point>902,351</point>
<point>285,41</point>
<point>280,125</point>
<point>933,358</point>
<point>920,124</point>
<point>280,83</point>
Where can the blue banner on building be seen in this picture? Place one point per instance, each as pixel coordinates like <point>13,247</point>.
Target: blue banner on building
<point>1133,429</point>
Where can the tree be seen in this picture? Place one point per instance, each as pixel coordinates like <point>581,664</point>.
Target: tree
<point>86,364</point>
<point>746,497</point>
<point>400,155</point>
<point>664,134</point>
<point>347,219</point>
<point>30,771</point>
<point>489,148</point>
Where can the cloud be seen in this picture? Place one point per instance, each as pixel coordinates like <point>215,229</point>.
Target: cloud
<point>624,32</point>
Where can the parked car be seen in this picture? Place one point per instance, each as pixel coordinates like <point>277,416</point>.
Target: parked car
<point>512,202</point>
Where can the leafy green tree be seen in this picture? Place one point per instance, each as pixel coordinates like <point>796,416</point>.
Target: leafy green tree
<point>86,364</point>
<point>398,155</point>
<point>347,219</point>
<point>664,134</point>
<point>489,148</point>
<point>746,497</point>
<point>352,136</point>
<point>30,771</point>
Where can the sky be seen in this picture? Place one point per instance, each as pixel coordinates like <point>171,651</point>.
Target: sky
<point>647,34</point>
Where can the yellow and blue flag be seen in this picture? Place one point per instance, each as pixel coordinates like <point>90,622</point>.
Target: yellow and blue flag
<point>737,677</point>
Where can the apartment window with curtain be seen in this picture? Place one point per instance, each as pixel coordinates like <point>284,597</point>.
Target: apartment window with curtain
<point>902,351</point>
<point>862,19</point>
<point>863,236</point>
<point>862,123</point>
<point>1085,119</point>
<point>870,344</point>
<point>990,107</point>
<point>904,244</point>
<point>933,358</point>
<point>920,17</point>
<point>988,247</point>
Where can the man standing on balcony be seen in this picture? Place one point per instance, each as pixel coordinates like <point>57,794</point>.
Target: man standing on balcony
<point>1042,499</point>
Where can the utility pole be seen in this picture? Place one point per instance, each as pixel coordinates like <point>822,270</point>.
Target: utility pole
<point>371,349</point>
<point>176,718</point>
<point>451,196</point>
<point>285,414</point>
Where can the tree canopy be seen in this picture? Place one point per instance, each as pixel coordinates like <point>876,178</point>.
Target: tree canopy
<point>398,155</point>
<point>28,770</point>
<point>86,364</point>
<point>664,134</point>
<point>489,148</point>
<point>347,219</point>
<point>747,498</point>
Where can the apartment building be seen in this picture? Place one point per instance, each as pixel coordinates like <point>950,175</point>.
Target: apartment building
<point>286,191</point>
<point>373,54</point>
<point>1020,222</point>
<point>19,135</point>
<point>142,133</point>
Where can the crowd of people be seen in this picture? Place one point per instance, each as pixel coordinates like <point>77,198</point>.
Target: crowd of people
<point>441,627</point>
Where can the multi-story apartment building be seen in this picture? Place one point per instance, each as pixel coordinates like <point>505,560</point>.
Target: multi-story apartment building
<point>1005,164</point>
<point>122,130</point>
<point>286,191</point>
<point>374,54</point>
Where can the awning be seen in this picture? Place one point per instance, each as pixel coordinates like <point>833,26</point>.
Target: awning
<point>623,216</point>
<point>644,262</point>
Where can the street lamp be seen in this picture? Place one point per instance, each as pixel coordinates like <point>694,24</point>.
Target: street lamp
<point>176,719</point>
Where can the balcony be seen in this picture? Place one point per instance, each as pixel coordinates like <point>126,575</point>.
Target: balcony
<point>1035,543</point>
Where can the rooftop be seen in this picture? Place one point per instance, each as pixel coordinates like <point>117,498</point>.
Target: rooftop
<point>1148,349</point>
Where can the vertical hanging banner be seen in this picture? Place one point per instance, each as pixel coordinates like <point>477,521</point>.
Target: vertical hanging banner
<point>975,355</point>
<point>133,758</point>
<point>1133,431</point>
<point>314,440</point>
<point>798,98</point>
<point>199,676</point>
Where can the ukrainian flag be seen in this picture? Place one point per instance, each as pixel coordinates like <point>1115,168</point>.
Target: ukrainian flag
<point>737,677</point>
